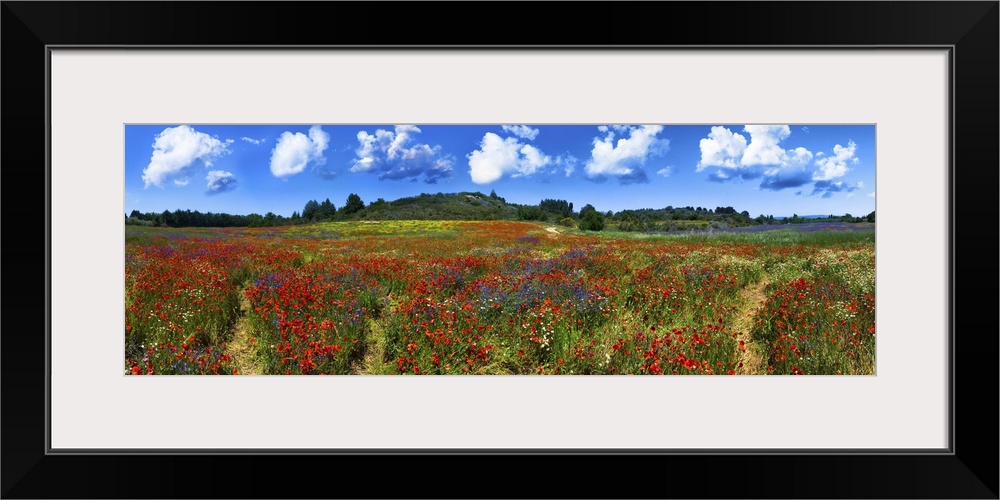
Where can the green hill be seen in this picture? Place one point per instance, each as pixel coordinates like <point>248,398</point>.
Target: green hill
<point>441,206</point>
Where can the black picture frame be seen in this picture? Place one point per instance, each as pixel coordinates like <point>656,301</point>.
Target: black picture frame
<point>968,470</point>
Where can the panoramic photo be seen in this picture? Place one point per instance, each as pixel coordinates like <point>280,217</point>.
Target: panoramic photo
<point>521,249</point>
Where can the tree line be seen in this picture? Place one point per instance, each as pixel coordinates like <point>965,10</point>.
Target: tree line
<point>478,206</point>
<point>313,211</point>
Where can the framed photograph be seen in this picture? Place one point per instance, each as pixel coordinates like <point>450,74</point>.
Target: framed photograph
<point>889,113</point>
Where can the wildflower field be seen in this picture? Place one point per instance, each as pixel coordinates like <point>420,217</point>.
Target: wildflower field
<point>457,297</point>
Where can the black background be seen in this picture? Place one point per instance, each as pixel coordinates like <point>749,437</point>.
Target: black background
<point>971,472</point>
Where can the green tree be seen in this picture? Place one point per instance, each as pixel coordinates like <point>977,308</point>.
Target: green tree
<point>591,220</point>
<point>561,208</point>
<point>353,204</point>
<point>309,212</point>
<point>255,220</point>
<point>326,210</point>
<point>530,212</point>
<point>168,219</point>
<point>269,219</point>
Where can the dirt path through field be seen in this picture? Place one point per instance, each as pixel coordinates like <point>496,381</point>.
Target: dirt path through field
<point>375,341</point>
<point>554,233</point>
<point>751,354</point>
<point>240,347</point>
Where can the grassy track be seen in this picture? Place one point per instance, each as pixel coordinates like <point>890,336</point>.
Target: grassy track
<point>242,347</point>
<point>752,355</point>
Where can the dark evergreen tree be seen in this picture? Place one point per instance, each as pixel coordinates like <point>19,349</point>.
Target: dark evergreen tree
<point>353,204</point>
<point>309,212</point>
<point>326,210</point>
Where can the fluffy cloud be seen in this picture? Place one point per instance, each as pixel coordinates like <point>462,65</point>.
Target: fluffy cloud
<point>522,131</point>
<point>666,171</point>
<point>779,168</point>
<point>220,181</point>
<point>625,157</point>
<point>722,148</point>
<point>177,148</point>
<point>792,171</point>
<point>255,142</point>
<point>532,159</point>
<point>396,155</point>
<point>764,149</point>
<point>726,149</point>
<point>833,167</point>
<point>827,188</point>
<point>294,152</point>
<point>498,156</point>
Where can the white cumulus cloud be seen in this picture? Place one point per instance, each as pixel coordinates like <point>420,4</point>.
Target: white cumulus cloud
<point>833,167</point>
<point>293,152</point>
<point>625,157</point>
<point>255,142</point>
<point>760,157</point>
<point>764,149</point>
<point>722,148</point>
<point>220,181</point>
<point>522,131</point>
<point>532,159</point>
<point>726,149</point>
<point>498,156</point>
<point>177,148</point>
<point>395,154</point>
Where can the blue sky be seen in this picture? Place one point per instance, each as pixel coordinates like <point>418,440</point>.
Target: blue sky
<point>765,169</point>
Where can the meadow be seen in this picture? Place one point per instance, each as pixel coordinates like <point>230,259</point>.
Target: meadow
<point>497,297</point>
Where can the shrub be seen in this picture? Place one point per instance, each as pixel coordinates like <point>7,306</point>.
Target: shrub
<point>567,221</point>
<point>592,221</point>
<point>133,221</point>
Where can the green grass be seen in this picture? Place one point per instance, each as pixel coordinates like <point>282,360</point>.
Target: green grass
<point>779,237</point>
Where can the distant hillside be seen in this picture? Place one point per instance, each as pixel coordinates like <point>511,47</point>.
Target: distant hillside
<point>441,206</point>
<point>478,206</point>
